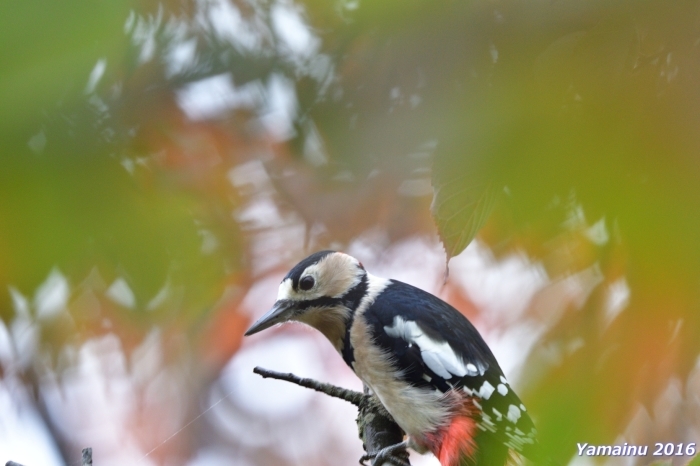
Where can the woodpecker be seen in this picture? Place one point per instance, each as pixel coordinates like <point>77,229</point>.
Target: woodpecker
<point>425,362</point>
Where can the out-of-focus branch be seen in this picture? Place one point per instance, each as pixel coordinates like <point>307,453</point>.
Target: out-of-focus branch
<point>376,427</point>
<point>86,459</point>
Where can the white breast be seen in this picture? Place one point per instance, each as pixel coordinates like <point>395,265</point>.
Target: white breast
<point>415,410</point>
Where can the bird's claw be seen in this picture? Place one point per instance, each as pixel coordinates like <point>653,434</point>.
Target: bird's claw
<point>387,455</point>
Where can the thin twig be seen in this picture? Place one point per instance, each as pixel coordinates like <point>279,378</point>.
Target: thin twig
<point>350,396</point>
<point>376,427</point>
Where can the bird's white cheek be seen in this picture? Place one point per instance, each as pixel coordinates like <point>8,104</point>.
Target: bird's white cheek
<point>285,290</point>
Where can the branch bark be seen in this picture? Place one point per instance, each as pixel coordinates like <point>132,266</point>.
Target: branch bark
<point>350,396</point>
<point>376,427</point>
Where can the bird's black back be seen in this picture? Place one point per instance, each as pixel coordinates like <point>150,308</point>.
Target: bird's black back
<point>442,322</point>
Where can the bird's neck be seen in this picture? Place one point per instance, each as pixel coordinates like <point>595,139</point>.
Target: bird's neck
<point>330,321</point>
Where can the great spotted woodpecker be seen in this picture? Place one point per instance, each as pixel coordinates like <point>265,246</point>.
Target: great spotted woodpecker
<point>427,364</point>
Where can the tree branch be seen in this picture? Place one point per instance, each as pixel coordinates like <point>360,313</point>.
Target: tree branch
<point>350,396</point>
<point>376,427</point>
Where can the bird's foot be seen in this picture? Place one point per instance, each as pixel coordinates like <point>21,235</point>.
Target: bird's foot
<point>387,455</point>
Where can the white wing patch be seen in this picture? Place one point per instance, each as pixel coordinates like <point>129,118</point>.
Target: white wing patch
<point>437,355</point>
<point>486,390</point>
<point>513,414</point>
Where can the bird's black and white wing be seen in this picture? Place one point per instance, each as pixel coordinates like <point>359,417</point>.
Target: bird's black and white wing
<point>435,347</point>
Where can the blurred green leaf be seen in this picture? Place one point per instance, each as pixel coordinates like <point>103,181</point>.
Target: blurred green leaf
<point>48,50</point>
<point>461,206</point>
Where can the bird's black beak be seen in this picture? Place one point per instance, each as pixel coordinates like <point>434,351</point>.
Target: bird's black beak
<point>280,312</point>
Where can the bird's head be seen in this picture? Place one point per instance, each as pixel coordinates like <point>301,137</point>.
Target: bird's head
<point>321,291</point>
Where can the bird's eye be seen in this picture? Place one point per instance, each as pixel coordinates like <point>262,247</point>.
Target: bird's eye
<point>307,283</point>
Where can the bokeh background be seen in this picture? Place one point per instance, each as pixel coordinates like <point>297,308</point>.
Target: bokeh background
<point>164,163</point>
